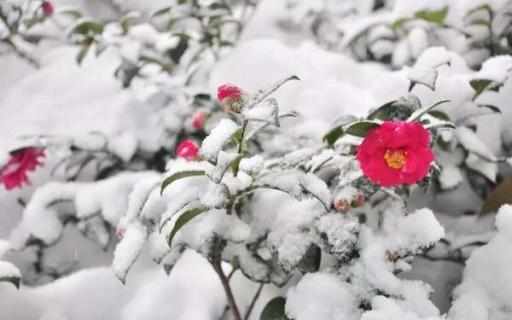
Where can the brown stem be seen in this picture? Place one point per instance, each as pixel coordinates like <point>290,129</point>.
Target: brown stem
<point>216,263</point>
<point>253,302</point>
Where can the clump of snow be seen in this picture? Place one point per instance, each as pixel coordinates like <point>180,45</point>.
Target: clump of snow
<point>216,140</point>
<point>129,249</point>
<point>200,231</point>
<point>486,288</point>
<point>321,296</point>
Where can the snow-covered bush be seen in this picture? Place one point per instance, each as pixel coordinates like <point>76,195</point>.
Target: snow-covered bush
<point>331,228</point>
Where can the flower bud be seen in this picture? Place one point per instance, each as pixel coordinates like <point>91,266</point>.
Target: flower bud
<point>198,120</point>
<point>228,95</point>
<point>358,201</point>
<point>188,149</point>
<point>47,8</point>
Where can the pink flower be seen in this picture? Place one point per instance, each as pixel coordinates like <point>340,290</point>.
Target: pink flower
<point>227,95</point>
<point>198,120</point>
<point>396,152</point>
<point>14,173</point>
<point>188,149</point>
<point>47,8</point>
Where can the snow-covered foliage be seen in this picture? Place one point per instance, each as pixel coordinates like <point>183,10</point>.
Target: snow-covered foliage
<point>333,194</point>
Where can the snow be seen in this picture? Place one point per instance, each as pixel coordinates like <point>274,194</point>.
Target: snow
<point>129,249</point>
<point>323,297</point>
<point>487,285</point>
<point>219,136</point>
<point>86,108</point>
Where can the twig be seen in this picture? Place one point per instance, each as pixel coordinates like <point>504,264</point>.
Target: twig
<point>216,264</point>
<point>253,302</point>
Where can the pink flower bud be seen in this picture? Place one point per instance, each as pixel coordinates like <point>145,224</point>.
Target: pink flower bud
<point>358,201</point>
<point>227,95</point>
<point>198,120</point>
<point>47,8</point>
<point>187,149</point>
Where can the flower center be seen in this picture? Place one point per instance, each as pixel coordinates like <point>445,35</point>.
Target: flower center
<point>395,158</point>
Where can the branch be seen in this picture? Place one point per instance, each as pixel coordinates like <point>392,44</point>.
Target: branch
<point>253,302</point>
<point>216,264</point>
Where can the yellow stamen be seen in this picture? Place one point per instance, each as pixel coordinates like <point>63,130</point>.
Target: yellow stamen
<point>395,158</point>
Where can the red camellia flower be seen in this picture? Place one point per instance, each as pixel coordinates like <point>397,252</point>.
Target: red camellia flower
<point>396,152</point>
<point>227,95</point>
<point>14,173</point>
<point>47,8</point>
<point>198,120</point>
<point>187,149</point>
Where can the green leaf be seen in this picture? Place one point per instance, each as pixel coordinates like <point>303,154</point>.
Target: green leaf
<point>88,28</point>
<point>14,280</point>
<point>479,22</point>
<point>332,136</point>
<point>73,13</point>
<point>439,115</point>
<point>81,54</point>
<point>180,175</point>
<point>183,220</point>
<point>418,113</point>
<point>398,24</point>
<point>484,7</point>
<point>274,310</point>
<point>161,12</point>
<point>479,85</point>
<point>383,111</point>
<point>177,52</point>
<point>361,128</point>
<point>493,108</point>
<point>435,16</point>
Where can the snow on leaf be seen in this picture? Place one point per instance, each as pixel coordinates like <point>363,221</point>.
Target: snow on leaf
<point>128,249</point>
<point>470,141</point>
<point>264,93</point>
<point>183,219</point>
<point>9,273</point>
<point>267,112</point>
<point>487,168</point>
<point>180,175</point>
<point>450,177</point>
<point>419,113</point>
<point>219,136</point>
<point>224,161</point>
<point>296,158</point>
<point>216,195</point>
<point>317,188</point>
<point>138,198</point>
<point>423,75</point>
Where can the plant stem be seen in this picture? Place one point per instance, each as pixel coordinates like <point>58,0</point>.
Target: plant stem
<point>216,264</point>
<point>253,302</point>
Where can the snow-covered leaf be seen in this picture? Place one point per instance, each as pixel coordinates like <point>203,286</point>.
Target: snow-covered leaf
<point>9,273</point>
<point>267,112</point>
<point>219,136</point>
<point>184,218</point>
<point>472,143</point>
<point>180,175</point>
<point>418,113</point>
<point>128,249</point>
<point>264,93</point>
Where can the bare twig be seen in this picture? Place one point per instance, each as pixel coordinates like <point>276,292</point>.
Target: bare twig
<point>216,264</point>
<point>253,302</point>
